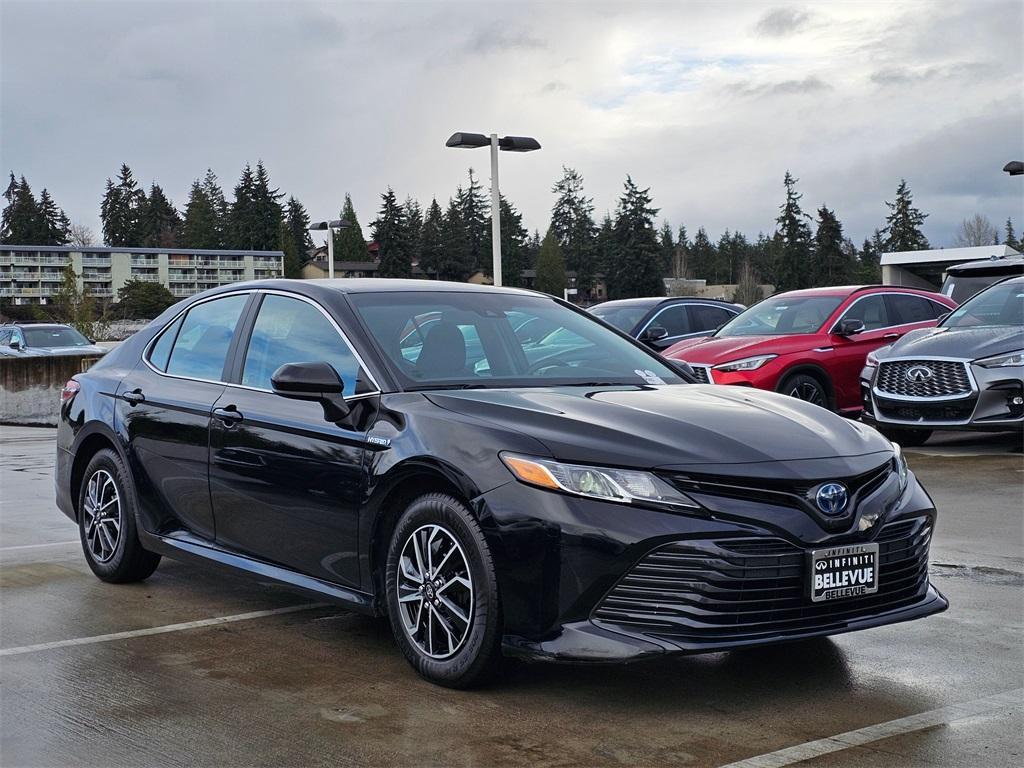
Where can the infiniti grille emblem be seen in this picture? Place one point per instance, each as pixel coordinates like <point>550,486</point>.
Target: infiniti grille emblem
<point>831,498</point>
<point>919,373</point>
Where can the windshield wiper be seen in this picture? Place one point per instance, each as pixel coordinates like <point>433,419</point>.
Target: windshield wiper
<point>426,387</point>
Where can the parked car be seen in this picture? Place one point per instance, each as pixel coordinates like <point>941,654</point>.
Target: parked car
<point>44,339</point>
<point>576,509</point>
<point>968,373</point>
<point>811,344</point>
<point>964,280</point>
<point>659,322</point>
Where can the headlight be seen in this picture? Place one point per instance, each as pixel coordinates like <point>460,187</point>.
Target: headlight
<point>900,463</point>
<point>627,486</point>
<point>746,364</point>
<point>1008,360</point>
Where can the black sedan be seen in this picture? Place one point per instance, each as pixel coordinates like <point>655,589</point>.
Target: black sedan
<point>584,504</point>
<point>661,322</point>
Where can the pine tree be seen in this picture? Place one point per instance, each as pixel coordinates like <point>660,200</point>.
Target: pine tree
<point>349,244</point>
<point>514,244</point>
<point>389,231</point>
<point>833,263</point>
<point>551,267</point>
<point>869,271</point>
<point>638,269</point>
<point>476,218</point>
<point>54,222</point>
<point>606,250</point>
<point>219,206</point>
<point>668,247</point>
<point>794,265</point>
<point>572,220</point>
<point>296,229</point>
<point>413,228</point>
<point>532,250</point>
<point>241,224</point>
<point>903,224</point>
<point>703,257</point>
<point>159,221</point>
<point>1011,237</point>
<point>432,240</point>
<point>456,258</point>
<point>23,222</point>
<point>266,233</point>
<point>202,226</point>
<point>121,210</point>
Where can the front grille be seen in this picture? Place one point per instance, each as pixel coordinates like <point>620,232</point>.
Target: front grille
<point>702,373</point>
<point>945,378</point>
<point>740,589</point>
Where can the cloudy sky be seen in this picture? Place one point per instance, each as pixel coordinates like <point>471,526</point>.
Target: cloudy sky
<point>706,103</point>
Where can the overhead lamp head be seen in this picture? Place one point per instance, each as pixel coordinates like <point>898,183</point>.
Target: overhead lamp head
<point>518,144</point>
<point>467,140</point>
<point>1014,168</point>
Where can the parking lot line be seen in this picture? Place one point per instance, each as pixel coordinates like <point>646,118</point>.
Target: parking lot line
<point>861,736</point>
<point>37,546</point>
<point>158,630</point>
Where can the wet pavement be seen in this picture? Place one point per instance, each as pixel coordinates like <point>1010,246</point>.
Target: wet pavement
<point>318,685</point>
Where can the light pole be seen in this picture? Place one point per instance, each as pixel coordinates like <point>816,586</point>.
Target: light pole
<point>505,144</point>
<point>330,226</point>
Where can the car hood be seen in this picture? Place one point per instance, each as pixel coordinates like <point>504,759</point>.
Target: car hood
<point>966,343</point>
<point>667,426</point>
<point>712,351</point>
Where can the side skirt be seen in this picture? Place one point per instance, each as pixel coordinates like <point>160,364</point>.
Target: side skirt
<point>185,546</point>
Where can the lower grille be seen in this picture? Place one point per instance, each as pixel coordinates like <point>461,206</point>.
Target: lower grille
<point>923,413</point>
<point>927,378</point>
<point>745,588</point>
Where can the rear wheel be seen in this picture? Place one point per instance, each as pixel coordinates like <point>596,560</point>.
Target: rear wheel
<point>106,522</point>
<point>908,437</point>
<point>442,593</point>
<point>805,387</point>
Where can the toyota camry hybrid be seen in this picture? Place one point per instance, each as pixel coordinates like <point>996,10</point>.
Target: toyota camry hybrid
<point>397,447</point>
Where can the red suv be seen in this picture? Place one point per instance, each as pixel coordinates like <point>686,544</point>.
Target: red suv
<point>811,344</point>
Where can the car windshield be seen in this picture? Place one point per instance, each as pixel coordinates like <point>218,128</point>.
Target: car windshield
<point>624,318</point>
<point>782,316</point>
<point>54,337</point>
<point>469,339</point>
<point>1002,304</point>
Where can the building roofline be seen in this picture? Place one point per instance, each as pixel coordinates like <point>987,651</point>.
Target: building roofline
<point>130,250</point>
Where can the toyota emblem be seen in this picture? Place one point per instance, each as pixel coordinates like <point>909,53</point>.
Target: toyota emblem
<point>919,373</point>
<point>832,498</point>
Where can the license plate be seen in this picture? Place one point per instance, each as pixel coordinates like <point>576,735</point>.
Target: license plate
<point>842,572</point>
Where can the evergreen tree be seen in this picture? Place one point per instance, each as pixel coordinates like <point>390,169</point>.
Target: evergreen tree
<point>159,221</point>
<point>532,250</point>
<point>764,257</point>
<point>668,247</point>
<point>869,271</point>
<point>551,266</point>
<point>681,254</point>
<point>833,262</point>
<point>606,249</point>
<point>703,257</point>
<point>725,259</point>
<point>219,206</point>
<point>476,219</point>
<point>432,240</point>
<point>638,269</point>
<point>121,210</point>
<point>794,265</point>
<point>572,220</point>
<point>456,259</point>
<point>202,226</point>
<point>349,244</point>
<point>22,222</point>
<point>390,232</point>
<point>267,212</point>
<point>413,228</point>
<point>1011,237</point>
<point>903,224</point>
<point>514,244</point>
<point>241,225</point>
<point>141,299</point>
<point>296,228</point>
<point>53,221</point>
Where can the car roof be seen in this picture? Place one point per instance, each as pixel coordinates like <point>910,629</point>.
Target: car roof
<point>1007,264</point>
<point>352,285</point>
<point>850,290</point>
<point>654,301</point>
<point>35,325</point>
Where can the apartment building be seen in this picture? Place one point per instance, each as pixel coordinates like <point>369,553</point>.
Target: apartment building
<point>31,274</point>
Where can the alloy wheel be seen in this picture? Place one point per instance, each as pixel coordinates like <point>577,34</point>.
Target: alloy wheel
<point>102,510</point>
<point>435,591</point>
<point>808,392</point>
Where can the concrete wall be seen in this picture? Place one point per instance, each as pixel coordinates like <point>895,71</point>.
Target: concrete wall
<point>30,387</point>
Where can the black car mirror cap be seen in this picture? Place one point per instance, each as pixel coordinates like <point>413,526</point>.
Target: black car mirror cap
<point>316,382</point>
<point>653,333</point>
<point>850,327</point>
<point>14,344</point>
<point>683,369</point>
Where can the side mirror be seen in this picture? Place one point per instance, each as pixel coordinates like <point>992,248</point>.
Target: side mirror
<point>943,316</point>
<point>15,344</point>
<point>682,368</point>
<point>850,327</point>
<point>653,333</point>
<point>316,382</point>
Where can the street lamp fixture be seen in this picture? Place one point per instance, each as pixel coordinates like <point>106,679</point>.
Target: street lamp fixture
<point>330,227</point>
<point>464,140</point>
<point>1014,168</point>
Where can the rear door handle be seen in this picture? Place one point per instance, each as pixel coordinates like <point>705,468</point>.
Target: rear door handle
<point>890,336</point>
<point>229,414</point>
<point>134,397</point>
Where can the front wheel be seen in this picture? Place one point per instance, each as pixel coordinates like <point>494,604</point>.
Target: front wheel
<point>910,438</point>
<point>805,387</point>
<point>442,593</point>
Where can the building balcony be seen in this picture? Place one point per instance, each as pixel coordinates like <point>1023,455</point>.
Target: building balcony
<point>98,290</point>
<point>181,291</point>
<point>145,261</point>
<point>95,261</point>
<point>145,277</point>
<point>96,277</point>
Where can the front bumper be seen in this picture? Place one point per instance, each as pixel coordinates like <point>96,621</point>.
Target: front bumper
<point>562,561</point>
<point>994,404</point>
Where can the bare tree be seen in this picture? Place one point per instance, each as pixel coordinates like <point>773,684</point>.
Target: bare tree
<point>748,291</point>
<point>976,230</point>
<point>79,234</point>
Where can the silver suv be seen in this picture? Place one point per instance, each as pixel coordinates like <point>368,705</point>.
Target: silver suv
<point>967,373</point>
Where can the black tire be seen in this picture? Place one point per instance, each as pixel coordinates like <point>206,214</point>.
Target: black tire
<point>113,552</point>
<point>476,657</point>
<point>805,387</point>
<point>911,438</point>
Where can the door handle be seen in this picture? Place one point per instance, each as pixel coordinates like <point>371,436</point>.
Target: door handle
<point>229,415</point>
<point>890,336</point>
<point>134,397</point>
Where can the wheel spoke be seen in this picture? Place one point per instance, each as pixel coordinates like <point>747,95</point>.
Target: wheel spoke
<point>453,609</point>
<point>101,523</point>
<point>455,580</point>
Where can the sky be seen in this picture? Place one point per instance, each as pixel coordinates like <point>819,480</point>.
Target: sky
<point>706,103</point>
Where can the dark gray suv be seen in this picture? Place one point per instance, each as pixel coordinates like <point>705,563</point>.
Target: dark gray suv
<point>967,373</point>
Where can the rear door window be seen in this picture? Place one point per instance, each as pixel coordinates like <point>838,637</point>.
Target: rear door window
<point>201,347</point>
<point>707,318</point>
<point>913,309</point>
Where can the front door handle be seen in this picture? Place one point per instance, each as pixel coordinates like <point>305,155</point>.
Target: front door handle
<point>890,337</point>
<point>134,397</point>
<point>229,415</point>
